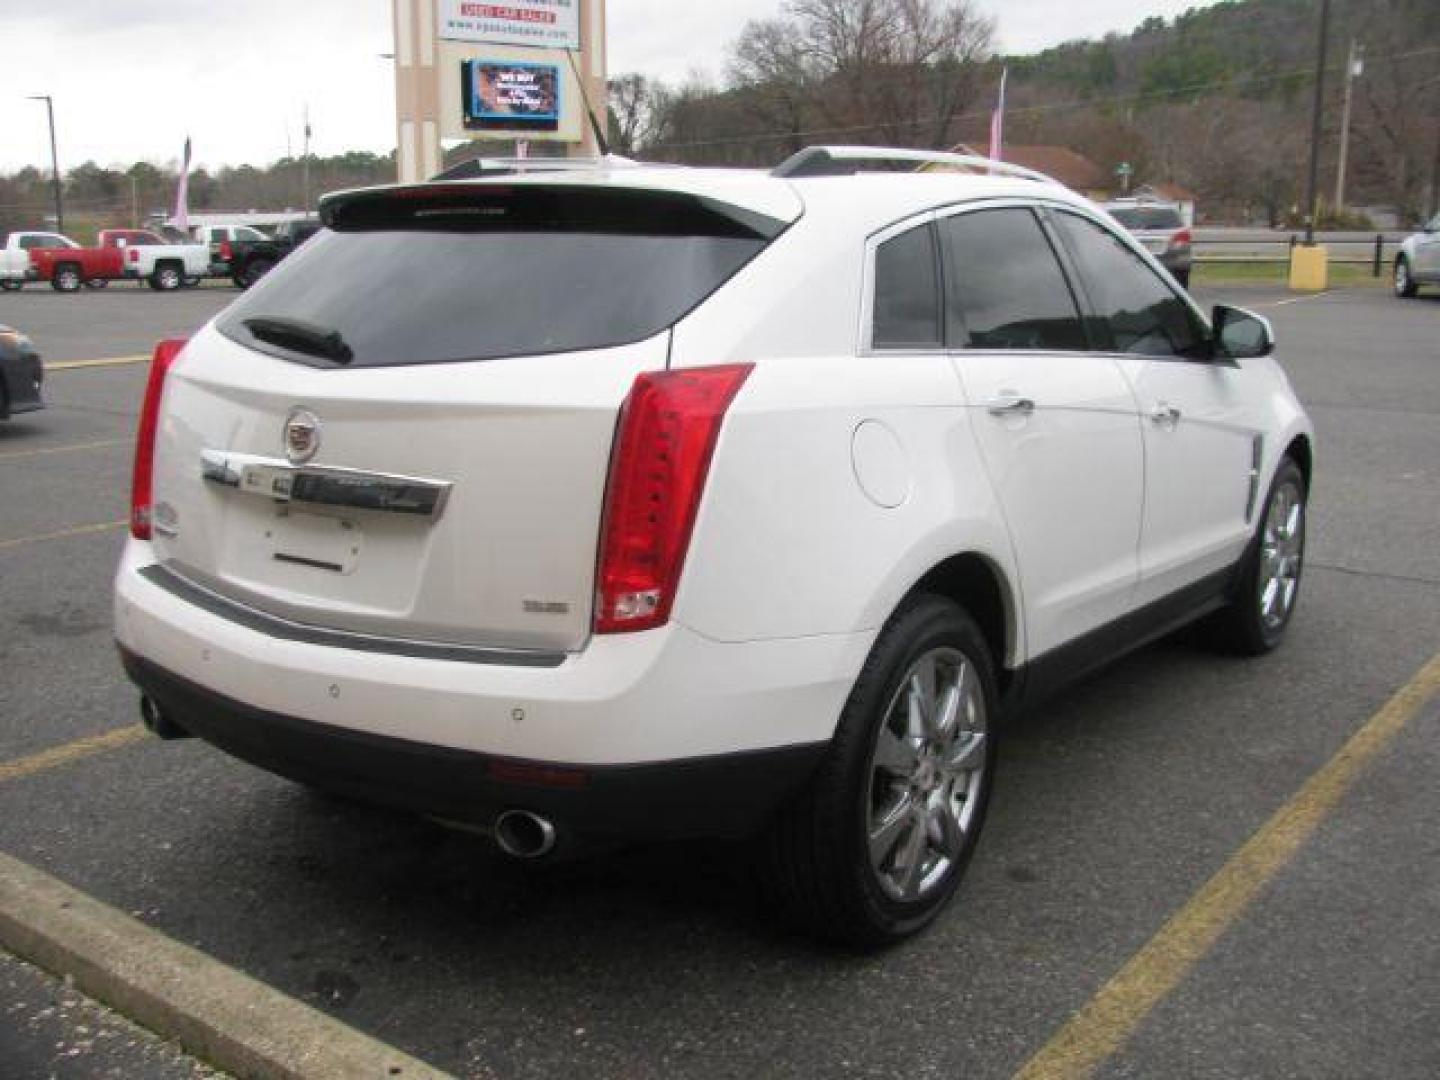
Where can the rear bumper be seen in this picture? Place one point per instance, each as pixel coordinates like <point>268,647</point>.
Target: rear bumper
<point>721,795</point>
<point>675,734</point>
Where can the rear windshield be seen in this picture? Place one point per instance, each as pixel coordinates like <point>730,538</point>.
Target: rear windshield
<point>1141,218</point>
<point>478,272</point>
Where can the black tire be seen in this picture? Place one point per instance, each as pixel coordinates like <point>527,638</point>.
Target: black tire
<point>253,271</point>
<point>97,283</point>
<point>12,286</point>
<point>1246,626</point>
<point>1404,281</point>
<point>66,278</point>
<point>193,282</point>
<point>168,277</point>
<point>1183,277</point>
<point>817,861</point>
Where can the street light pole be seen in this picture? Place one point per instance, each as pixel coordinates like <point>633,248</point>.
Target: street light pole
<point>1311,195</point>
<point>54,161</point>
<point>1353,67</point>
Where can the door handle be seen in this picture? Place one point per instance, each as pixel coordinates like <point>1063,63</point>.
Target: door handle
<point>1010,404</point>
<point>1165,415</point>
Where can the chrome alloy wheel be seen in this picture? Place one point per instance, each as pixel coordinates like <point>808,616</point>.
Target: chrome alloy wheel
<point>926,772</point>
<point>1282,549</point>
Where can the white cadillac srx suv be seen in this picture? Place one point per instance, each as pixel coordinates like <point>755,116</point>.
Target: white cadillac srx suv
<point>647,502</point>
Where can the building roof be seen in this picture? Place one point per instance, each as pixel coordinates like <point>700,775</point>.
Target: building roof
<point>1072,169</point>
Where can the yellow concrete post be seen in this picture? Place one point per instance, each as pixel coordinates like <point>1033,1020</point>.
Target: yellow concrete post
<point>1309,268</point>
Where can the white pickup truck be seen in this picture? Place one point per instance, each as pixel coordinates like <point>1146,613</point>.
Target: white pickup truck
<point>161,264</point>
<point>15,248</point>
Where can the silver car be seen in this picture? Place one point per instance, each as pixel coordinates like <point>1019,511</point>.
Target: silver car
<point>1160,228</point>
<point>1418,262</point>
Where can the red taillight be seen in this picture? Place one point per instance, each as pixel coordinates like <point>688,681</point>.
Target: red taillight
<point>224,250</point>
<point>141,485</point>
<point>134,255</point>
<point>668,428</point>
<point>1180,239</point>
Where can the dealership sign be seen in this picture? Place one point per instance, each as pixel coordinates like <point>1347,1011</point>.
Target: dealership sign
<point>544,24</point>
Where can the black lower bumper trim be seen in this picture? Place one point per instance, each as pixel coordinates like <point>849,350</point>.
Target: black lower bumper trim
<point>728,795</point>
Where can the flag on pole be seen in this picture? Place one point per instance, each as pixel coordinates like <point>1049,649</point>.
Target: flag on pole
<point>997,122</point>
<point>182,192</point>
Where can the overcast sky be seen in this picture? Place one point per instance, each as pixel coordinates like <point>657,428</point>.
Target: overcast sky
<point>130,78</point>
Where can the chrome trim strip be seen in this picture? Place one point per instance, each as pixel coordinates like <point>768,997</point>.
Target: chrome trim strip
<point>325,485</point>
<point>272,625</point>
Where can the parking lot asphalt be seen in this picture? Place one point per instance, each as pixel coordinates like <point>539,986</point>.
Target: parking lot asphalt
<point>1115,805</point>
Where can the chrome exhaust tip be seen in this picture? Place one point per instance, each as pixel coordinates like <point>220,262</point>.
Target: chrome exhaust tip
<point>157,722</point>
<point>524,835</point>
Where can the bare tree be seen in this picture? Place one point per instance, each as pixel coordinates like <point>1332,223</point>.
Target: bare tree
<point>896,70</point>
<point>638,110</point>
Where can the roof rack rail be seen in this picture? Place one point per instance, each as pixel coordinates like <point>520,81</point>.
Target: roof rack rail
<point>847,160</point>
<point>472,168</point>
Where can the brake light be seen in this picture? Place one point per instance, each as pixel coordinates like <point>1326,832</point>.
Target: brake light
<point>134,255</point>
<point>668,428</point>
<point>225,251</point>
<point>142,481</point>
<point>1180,239</point>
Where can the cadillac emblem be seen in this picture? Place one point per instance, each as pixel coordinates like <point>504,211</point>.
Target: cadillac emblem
<point>301,436</point>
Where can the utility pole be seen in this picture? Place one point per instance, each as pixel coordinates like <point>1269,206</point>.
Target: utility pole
<point>1354,67</point>
<point>305,165</point>
<point>54,162</point>
<point>1311,193</point>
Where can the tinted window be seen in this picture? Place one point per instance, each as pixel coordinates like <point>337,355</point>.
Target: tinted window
<point>32,242</point>
<point>244,233</point>
<point>485,272</point>
<point>1147,217</point>
<point>1005,286</point>
<point>907,291</point>
<point>1136,309</point>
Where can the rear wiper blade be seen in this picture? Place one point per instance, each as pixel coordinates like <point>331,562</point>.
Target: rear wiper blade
<point>302,336</point>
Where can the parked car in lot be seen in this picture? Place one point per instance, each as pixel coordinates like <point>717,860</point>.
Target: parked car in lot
<point>16,267</point>
<point>1418,262</point>
<point>252,261</point>
<point>21,375</point>
<point>664,503</point>
<point>1160,228</point>
<point>160,264</point>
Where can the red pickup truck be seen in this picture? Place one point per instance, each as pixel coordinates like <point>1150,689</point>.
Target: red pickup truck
<point>69,268</point>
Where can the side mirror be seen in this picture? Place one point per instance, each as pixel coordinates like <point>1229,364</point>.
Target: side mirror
<point>1240,334</point>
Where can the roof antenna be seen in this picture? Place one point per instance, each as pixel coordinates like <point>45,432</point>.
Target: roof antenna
<point>600,140</point>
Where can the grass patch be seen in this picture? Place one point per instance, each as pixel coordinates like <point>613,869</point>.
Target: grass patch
<point>1277,273</point>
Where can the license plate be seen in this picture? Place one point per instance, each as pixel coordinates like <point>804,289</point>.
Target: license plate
<point>322,543</point>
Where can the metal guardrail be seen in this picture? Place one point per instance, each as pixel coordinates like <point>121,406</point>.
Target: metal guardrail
<point>1377,250</point>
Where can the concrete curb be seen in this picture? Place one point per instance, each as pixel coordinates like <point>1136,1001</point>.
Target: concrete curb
<point>218,1014</point>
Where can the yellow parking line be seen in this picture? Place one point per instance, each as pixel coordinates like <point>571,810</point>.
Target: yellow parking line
<point>71,751</point>
<point>61,534</point>
<point>107,361</point>
<point>15,454</point>
<point>1099,1029</point>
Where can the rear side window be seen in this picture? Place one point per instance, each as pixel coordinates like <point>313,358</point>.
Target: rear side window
<point>1136,309</point>
<point>242,233</point>
<point>1004,285</point>
<point>907,292</point>
<point>476,272</point>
